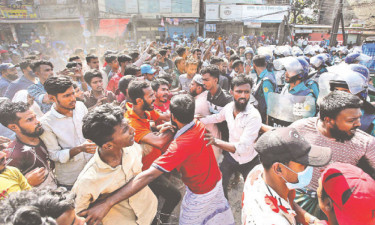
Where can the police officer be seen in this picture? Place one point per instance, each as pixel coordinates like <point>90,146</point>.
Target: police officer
<point>297,70</point>
<point>265,84</point>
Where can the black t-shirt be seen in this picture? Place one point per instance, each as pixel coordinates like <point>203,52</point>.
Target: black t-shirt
<point>216,104</point>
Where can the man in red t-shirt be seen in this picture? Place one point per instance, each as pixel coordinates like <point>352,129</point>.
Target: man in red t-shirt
<point>161,89</point>
<point>139,115</point>
<point>204,201</point>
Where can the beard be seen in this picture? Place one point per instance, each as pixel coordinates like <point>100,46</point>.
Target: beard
<point>193,93</point>
<point>12,76</point>
<point>37,132</point>
<point>146,106</point>
<point>241,106</point>
<point>339,135</point>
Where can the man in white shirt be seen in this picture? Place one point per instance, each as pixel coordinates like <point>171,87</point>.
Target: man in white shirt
<point>63,131</point>
<point>244,122</point>
<point>269,190</point>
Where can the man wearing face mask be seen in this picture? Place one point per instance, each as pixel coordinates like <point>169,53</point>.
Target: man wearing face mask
<point>287,163</point>
<point>26,80</point>
<point>8,74</point>
<point>336,128</point>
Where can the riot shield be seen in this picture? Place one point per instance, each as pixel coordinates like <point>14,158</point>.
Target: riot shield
<point>280,79</point>
<point>324,87</point>
<point>282,110</point>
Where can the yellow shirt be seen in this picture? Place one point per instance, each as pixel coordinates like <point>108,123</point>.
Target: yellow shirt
<point>98,179</point>
<point>12,180</point>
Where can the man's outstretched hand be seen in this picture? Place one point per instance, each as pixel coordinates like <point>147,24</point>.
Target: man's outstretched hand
<point>95,214</point>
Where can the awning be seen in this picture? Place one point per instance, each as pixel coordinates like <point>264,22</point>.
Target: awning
<point>112,27</point>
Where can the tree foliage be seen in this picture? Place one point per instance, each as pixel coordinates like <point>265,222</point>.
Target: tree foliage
<point>304,11</point>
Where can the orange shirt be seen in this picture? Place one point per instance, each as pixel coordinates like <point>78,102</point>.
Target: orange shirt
<point>142,128</point>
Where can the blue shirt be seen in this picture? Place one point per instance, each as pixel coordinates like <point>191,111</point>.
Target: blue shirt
<point>21,83</point>
<point>37,91</point>
<point>300,87</point>
<point>4,83</point>
<point>267,86</point>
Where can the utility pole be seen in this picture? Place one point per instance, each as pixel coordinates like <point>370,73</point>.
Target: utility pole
<point>94,17</point>
<point>335,26</point>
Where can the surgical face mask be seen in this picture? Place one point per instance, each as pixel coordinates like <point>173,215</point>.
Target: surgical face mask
<point>304,178</point>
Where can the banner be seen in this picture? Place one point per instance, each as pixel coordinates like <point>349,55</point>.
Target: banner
<point>131,6</point>
<point>17,12</point>
<point>165,6</point>
<point>212,12</point>
<point>264,14</point>
<point>231,12</point>
<point>255,2</point>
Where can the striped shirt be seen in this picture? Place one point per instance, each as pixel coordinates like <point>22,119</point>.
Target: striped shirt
<point>362,144</point>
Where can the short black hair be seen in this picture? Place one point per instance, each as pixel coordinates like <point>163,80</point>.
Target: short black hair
<point>71,59</point>
<point>213,70</point>
<point>110,58</point>
<point>70,65</point>
<point>215,60</point>
<point>36,65</point>
<point>166,76</point>
<point>134,55</point>
<point>135,90</point>
<point>124,82</point>
<point>124,58</point>
<point>196,50</point>
<point>99,124</point>
<point>8,112</point>
<point>57,85</point>
<point>260,61</point>
<point>180,51</point>
<point>337,101</point>
<point>240,80</point>
<point>24,64</point>
<point>178,60</point>
<point>236,63</point>
<point>36,206</point>
<point>90,57</point>
<point>155,84</point>
<point>234,58</point>
<point>163,52</point>
<point>91,74</point>
<point>132,69</point>
<point>182,107</point>
<point>267,163</point>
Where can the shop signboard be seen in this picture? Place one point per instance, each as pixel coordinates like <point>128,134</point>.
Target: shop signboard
<point>255,2</point>
<point>17,12</point>
<point>212,12</point>
<point>253,24</point>
<point>231,12</point>
<point>264,13</point>
<point>131,6</point>
<point>210,27</point>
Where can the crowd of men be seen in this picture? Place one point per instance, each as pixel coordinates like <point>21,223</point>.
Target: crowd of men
<point>99,140</point>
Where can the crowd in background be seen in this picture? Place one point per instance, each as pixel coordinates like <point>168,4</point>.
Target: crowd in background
<point>94,135</point>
